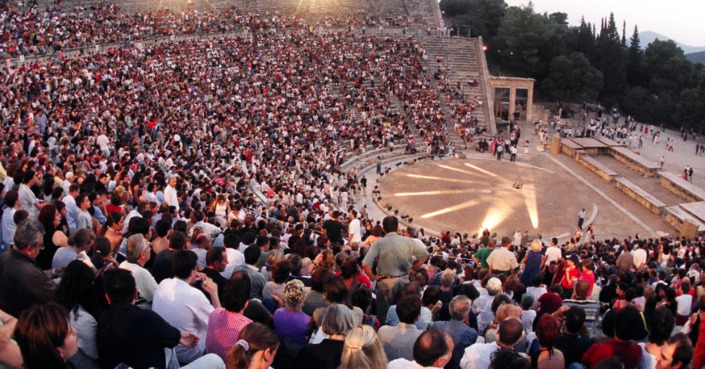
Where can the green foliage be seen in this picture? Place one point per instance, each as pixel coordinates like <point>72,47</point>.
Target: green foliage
<point>454,8</point>
<point>612,60</point>
<point>691,108</point>
<point>572,78</point>
<point>655,84</point>
<point>521,34</point>
<point>669,69</point>
<point>483,15</point>
<point>640,103</point>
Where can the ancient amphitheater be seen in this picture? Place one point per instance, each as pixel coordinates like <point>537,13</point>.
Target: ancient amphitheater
<point>542,192</point>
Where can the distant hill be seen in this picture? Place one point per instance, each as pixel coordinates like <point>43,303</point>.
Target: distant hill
<point>648,37</point>
<point>696,57</point>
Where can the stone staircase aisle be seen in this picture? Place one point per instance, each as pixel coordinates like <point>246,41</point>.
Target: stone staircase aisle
<point>459,60</point>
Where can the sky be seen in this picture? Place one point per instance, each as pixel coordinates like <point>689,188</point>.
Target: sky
<point>681,20</point>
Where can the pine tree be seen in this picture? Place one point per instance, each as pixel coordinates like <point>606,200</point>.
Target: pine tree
<point>612,61</point>
<point>624,33</point>
<point>586,40</point>
<point>635,67</point>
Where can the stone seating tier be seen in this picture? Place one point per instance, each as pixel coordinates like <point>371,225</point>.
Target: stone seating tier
<point>600,169</point>
<point>650,202</point>
<point>681,187</point>
<point>634,161</point>
<point>677,215</point>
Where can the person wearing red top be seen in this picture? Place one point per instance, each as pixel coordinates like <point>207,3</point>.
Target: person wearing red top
<point>570,276</point>
<point>629,325</point>
<point>587,274</point>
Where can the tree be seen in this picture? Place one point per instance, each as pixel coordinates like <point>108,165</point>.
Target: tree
<point>453,8</point>
<point>483,15</point>
<point>586,40</point>
<point>612,61</point>
<point>691,107</point>
<point>521,34</point>
<point>572,78</point>
<point>635,67</point>
<point>641,104</point>
<point>670,73</point>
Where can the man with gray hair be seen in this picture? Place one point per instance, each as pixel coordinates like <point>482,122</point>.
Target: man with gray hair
<point>482,305</point>
<point>138,253</point>
<point>22,282</point>
<point>458,329</point>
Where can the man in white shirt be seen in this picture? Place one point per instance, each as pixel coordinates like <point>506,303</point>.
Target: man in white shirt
<point>354,236</point>
<point>478,356</point>
<point>67,182</point>
<point>170,194</point>
<point>208,228</point>
<point>8,219</point>
<point>185,307</point>
<point>27,198</point>
<point>501,260</point>
<point>72,209</point>
<point>685,303</point>
<point>235,257</point>
<point>553,253</point>
<point>639,256</point>
<point>138,254</point>
<point>433,349</point>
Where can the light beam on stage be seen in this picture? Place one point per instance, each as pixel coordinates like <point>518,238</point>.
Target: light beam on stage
<point>494,217</point>
<point>458,170</point>
<point>531,204</point>
<point>430,193</point>
<point>464,205</point>
<point>480,170</point>
<point>438,178</point>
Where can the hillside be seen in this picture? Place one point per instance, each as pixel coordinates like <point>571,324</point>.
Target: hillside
<point>696,57</point>
<point>648,37</point>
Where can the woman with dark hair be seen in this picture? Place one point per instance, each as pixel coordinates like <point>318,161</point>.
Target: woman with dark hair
<point>628,325</point>
<point>76,292</point>
<point>226,323</point>
<point>281,271</point>
<point>112,230</point>
<point>116,204</point>
<point>54,238</point>
<point>255,348</point>
<point>315,298</point>
<point>661,326</point>
<point>545,356</point>
<point>81,243</point>
<point>375,234</point>
<point>350,272</point>
<point>45,337</point>
<point>336,292</point>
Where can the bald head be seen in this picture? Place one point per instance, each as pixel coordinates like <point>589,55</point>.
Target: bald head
<point>510,331</point>
<point>433,348</point>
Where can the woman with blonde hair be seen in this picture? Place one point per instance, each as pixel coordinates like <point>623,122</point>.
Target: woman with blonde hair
<point>255,348</point>
<point>504,312</point>
<point>533,262</point>
<point>363,350</point>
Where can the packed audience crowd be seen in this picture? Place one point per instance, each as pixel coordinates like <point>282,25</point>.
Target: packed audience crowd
<point>31,31</point>
<point>182,205</point>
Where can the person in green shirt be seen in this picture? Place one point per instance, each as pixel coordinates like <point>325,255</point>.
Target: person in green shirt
<point>480,257</point>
